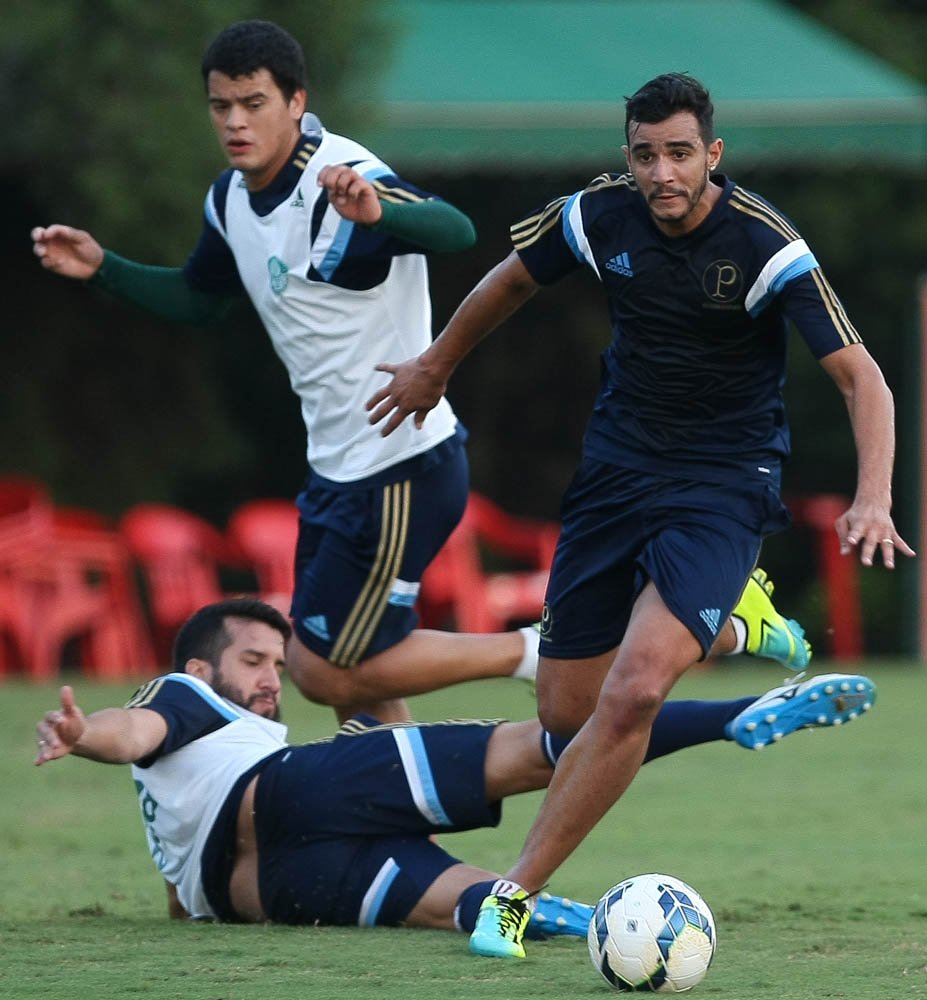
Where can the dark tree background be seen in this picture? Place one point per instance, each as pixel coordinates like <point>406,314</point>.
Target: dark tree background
<point>107,131</point>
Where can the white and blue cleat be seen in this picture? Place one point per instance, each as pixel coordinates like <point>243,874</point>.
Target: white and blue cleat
<point>828,700</point>
<point>558,915</point>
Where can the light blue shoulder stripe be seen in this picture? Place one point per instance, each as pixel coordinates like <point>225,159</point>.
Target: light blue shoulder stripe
<point>801,265</point>
<point>375,171</point>
<point>207,694</point>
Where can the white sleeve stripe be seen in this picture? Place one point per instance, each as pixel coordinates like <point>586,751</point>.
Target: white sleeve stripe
<point>575,234</point>
<point>792,261</point>
<point>212,216</point>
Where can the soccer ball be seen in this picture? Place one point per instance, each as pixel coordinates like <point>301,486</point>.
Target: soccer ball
<point>652,933</point>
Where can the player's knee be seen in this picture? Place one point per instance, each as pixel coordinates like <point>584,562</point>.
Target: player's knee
<point>559,718</point>
<point>631,702</point>
<point>320,681</point>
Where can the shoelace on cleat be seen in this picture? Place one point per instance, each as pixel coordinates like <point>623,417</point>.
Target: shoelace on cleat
<point>511,913</point>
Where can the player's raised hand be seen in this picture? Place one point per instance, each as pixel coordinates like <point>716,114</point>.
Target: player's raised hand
<point>60,729</point>
<point>352,196</point>
<point>72,253</point>
<point>869,528</point>
<point>414,389</point>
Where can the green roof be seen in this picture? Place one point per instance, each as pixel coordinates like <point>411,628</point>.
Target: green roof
<point>490,83</point>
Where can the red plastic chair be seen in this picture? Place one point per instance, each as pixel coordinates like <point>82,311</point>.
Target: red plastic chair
<point>840,574</point>
<point>25,527</point>
<point>66,579</point>
<point>458,584</point>
<point>179,555</point>
<point>262,533</point>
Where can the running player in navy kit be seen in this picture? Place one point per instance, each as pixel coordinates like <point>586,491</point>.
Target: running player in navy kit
<point>680,473</point>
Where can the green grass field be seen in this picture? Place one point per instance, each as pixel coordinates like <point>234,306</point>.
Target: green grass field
<point>812,855</point>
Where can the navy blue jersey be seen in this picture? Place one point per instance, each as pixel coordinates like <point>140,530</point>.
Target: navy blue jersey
<point>692,378</point>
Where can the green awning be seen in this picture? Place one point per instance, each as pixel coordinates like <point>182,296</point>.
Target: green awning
<point>477,84</point>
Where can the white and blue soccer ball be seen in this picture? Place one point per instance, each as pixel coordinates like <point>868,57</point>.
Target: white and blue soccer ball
<point>652,933</point>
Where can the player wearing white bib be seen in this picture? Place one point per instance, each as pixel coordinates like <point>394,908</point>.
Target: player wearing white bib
<point>329,245</point>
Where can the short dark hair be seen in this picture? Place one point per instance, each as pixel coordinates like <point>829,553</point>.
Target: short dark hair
<point>664,96</point>
<point>204,635</point>
<point>247,46</point>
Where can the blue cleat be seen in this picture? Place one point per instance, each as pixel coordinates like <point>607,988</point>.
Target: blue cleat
<point>558,915</point>
<point>828,700</point>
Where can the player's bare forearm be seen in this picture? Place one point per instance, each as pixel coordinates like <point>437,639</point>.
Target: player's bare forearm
<point>417,385</point>
<point>110,736</point>
<point>868,523</point>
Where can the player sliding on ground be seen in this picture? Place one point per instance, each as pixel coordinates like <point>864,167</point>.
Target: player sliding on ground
<point>247,827</point>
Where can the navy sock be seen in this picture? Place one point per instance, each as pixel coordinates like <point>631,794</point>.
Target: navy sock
<point>679,724</point>
<point>468,904</point>
<point>682,724</point>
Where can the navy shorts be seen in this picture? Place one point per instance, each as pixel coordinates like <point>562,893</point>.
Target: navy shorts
<point>361,553</point>
<point>343,825</point>
<point>697,541</point>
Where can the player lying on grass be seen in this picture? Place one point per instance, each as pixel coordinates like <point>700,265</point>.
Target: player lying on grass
<point>246,827</point>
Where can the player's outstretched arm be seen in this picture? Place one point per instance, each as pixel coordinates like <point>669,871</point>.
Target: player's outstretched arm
<point>72,253</point>
<point>418,384</point>
<point>110,736</point>
<point>867,524</point>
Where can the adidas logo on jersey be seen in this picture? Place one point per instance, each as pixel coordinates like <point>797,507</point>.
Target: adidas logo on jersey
<point>621,264</point>
<point>298,202</point>
<point>712,618</point>
<point>317,625</point>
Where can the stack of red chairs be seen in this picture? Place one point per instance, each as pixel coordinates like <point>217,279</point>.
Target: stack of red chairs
<point>461,587</point>
<point>66,581</point>
<point>262,535</point>
<point>179,555</point>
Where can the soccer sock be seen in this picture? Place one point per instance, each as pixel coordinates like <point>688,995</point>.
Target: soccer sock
<point>528,668</point>
<point>469,901</point>
<point>740,635</point>
<point>679,724</point>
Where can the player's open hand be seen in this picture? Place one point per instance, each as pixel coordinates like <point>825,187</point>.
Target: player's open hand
<point>59,730</point>
<point>72,253</point>
<point>870,530</point>
<point>414,389</point>
<point>352,196</point>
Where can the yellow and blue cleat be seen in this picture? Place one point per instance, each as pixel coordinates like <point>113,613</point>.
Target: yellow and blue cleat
<point>769,634</point>
<point>500,926</point>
